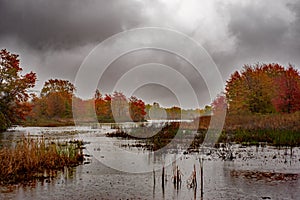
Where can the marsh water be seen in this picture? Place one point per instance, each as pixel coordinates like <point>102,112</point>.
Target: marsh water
<point>115,169</point>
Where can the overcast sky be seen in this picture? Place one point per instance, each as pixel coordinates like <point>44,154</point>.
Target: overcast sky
<point>53,37</point>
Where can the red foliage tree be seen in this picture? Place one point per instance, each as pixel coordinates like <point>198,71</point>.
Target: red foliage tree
<point>13,89</point>
<point>137,109</point>
<point>102,107</point>
<point>287,97</point>
<point>219,105</point>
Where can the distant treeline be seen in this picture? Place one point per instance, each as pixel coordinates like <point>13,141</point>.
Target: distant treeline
<point>260,89</point>
<point>54,107</point>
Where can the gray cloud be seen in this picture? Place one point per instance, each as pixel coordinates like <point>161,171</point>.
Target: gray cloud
<point>53,37</point>
<point>63,24</point>
<point>122,65</point>
<point>264,32</point>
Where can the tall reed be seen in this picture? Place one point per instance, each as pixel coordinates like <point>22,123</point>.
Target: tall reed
<point>32,156</point>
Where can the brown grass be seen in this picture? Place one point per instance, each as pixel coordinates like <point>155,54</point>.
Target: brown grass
<point>263,122</point>
<point>275,129</point>
<point>32,156</point>
<point>256,122</point>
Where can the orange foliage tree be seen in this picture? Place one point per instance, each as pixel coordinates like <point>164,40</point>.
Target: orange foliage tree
<point>55,100</point>
<point>263,88</point>
<point>103,107</point>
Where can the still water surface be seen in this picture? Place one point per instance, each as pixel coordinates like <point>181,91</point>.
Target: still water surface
<point>103,177</point>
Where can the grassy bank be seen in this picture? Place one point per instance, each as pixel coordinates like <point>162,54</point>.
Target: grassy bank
<point>48,122</point>
<point>272,137</point>
<point>43,122</point>
<point>31,157</point>
<point>275,129</point>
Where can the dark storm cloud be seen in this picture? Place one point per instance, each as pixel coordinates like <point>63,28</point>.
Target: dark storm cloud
<point>295,28</point>
<point>138,58</point>
<point>63,24</point>
<point>264,32</point>
<point>54,36</point>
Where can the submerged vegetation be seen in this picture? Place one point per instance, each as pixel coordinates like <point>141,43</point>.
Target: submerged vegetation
<point>31,157</point>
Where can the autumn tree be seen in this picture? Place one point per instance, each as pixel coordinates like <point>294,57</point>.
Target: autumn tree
<point>64,87</point>
<point>266,88</point>
<point>83,109</point>
<point>99,104</point>
<point>103,107</point>
<point>252,89</point>
<point>287,98</point>
<point>155,112</point>
<point>116,107</point>
<point>219,105</point>
<point>38,108</point>
<point>174,113</point>
<point>137,109</point>
<point>56,99</point>
<point>13,90</point>
<point>120,107</point>
<point>107,107</point>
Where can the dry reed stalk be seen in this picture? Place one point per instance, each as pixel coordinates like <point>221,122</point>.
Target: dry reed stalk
<point>32,156</point>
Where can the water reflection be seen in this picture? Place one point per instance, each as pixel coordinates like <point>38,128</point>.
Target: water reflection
<point>98,181</point>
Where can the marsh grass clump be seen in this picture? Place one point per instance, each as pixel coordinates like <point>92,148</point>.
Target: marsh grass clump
<point>31,157</point>
<point>169,133</point>
<point>120,133</point>
<point>265,176</point>
<point>162,137</point>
